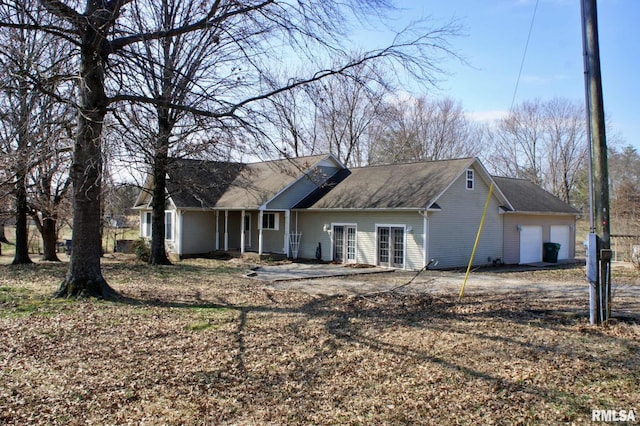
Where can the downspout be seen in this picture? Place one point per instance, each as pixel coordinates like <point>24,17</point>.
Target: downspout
<point>425,236</point>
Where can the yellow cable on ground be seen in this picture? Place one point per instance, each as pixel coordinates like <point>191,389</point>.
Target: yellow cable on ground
<point>475,245</point>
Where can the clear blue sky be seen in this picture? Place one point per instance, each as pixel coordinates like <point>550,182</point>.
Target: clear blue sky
<point>494,41</point>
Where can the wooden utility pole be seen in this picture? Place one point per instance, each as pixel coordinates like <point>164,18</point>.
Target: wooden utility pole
<point>600,255</point>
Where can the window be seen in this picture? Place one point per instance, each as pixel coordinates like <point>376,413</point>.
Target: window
<point>168,225</point>
<point>270,221</point>
<point>146,225</point>
<point>469,179</point>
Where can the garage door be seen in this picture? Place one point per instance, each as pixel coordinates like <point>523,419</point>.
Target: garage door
<point>560,234</point>
<point>531,244</point>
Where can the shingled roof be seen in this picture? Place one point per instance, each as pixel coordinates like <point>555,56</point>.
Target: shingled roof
<point>527,197</point>
<point>226,185</point>
<point>396,186</point>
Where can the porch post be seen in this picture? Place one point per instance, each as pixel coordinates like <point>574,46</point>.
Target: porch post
<point>179,232</point>
<point>217,229</point>
<point>260,232</point>
<point>287,226</point>
<point>226,230</point>
<point>242,231</point>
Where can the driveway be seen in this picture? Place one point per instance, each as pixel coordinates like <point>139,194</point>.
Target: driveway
<point>328,280</point>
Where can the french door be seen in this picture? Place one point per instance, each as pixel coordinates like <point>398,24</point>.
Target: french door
<point>391,246</point>
<point>344,243</point>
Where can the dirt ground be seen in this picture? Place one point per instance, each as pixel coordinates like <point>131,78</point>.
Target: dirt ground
<point>200,343</point>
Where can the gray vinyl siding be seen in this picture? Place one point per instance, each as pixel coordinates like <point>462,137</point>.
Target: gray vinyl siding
<point>301,188</point>
<point>311,224</point>
<point>453,230</point>
<point>512,234</point>
<point>198,232</point>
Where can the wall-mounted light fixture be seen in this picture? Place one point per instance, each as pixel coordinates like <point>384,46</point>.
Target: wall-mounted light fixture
<point>326,227</point>
<point>519,228</point>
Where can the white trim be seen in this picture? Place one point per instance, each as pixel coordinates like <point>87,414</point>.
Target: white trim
<point>472,179</point>
<point>276,220</point>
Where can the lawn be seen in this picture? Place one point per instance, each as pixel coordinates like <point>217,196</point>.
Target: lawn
<point>198,343</point>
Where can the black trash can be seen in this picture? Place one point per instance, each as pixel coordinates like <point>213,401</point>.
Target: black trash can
<point>550,252</point>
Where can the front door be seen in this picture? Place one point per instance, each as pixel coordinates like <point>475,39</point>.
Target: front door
<point>344,243</point>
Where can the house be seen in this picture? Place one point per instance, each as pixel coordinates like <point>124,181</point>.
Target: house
<point>399,216</point>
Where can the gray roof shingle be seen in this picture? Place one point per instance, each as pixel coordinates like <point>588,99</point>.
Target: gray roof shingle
<point>396,186</point>
<point>526,196</point>
<point>225,185</point>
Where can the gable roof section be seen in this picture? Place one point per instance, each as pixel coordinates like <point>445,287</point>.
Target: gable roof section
<point>200,184</point>
<point>527,197</point>
<point>396,186</point>
<point>260,182</point>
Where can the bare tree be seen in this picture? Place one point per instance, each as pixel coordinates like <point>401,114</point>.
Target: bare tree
<point>565,146</point>
<point>517,142</point>
<point>624,174</point>
<point>105,29</point>
<point>544,142</point>
<point>419,129</point>
<point>347,106</point>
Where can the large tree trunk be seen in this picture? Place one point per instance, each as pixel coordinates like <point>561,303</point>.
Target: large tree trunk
<point>22,232</point>
<point>158,255</point>
<point>49,239</point>
<point>84,277</point>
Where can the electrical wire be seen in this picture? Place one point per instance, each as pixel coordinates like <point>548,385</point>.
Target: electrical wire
<point>524,55</point>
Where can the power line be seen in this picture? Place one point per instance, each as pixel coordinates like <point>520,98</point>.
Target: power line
<point>524,55</point>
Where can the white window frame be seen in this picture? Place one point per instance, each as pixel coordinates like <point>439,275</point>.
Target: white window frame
<point>169,225</point>
<point>276,221</point>
<point>470,179</point>
<point>146,224</point>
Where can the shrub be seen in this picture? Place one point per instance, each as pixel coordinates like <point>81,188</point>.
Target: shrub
<point>142,250</point>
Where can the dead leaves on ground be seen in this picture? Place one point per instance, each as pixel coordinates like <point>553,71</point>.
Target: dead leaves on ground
<point>193,345</point>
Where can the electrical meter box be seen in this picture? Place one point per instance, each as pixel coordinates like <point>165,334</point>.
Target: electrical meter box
<point>592,257</point>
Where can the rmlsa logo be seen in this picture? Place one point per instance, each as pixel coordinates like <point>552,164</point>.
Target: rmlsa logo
<point>613,416</point>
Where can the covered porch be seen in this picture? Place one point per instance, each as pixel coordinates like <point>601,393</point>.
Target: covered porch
<point>254,231</point>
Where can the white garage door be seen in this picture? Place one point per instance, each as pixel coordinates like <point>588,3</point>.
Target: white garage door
<point>531,244</point>
<point>560,234</point>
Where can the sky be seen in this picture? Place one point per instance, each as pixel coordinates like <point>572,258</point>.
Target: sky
<point>493,43</point>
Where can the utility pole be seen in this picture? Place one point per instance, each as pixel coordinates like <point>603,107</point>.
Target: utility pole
<point>599,244</point>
